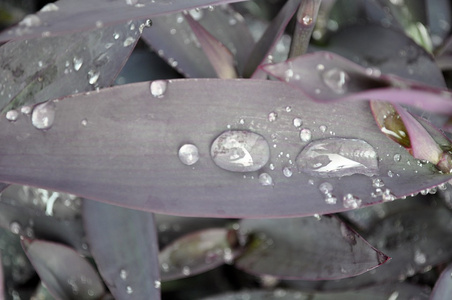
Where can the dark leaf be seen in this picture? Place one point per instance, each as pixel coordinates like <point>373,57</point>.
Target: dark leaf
<point>271,35</point>
<point>306,248</point>
<point>108,146</point>
<point>123,243</point>
<point>197,253</point>
<point>78,280</point>
<point>67,16</point>
<point>443,287</point>
<point>48,68</point>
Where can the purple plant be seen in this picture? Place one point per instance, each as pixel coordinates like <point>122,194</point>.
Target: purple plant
<point>225,149</point>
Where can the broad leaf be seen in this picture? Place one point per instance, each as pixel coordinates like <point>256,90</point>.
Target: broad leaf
<point>443,287</point>
<point>108,146</point>
<point>306,248</point>
<point>78,280</point>
<point>123,243</point>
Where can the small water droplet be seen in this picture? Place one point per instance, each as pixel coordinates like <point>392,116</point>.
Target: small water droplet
<point>128,41</point>
<point>84,122</point>
<point>288,109</point>
<point>330,199</point>
<point>129,290</point>
<point>337,157</point>
<point>377,183</point>
<point>93,76</point>
<point>123,274</point>
<point>287,172</point>
<point>419,257</point>
<point>15,227</point>
<point>307,20</point>
<point>336,79</point>
<point>186,271</point>
<point>49,7</point>
<point>99,24</point>
<point>43,115</point>
<point>326,188</point>
<point>196,14</point>
<point>351,201</point>
<point>116,35</point>
<point>297,122</point>
<point>30,21</point>
<point>240,151</point>
<point>12,115</point>
<point>323,128</point>
<point>390,173</point>
<point>394,296</point>
<point>242,121</point>
<point>375,72</point>
<point>158,88</point>
<point>26,110</point>
<point>397,157</point>
<point>157,284</point>
<point>305,135</point>
<point>265,179</point>
<point>320,67</point>
<point>388,196</point>
<point>271,167</point>
<point>272,116</point>
<point>188,154</point>
<point>78,62</point>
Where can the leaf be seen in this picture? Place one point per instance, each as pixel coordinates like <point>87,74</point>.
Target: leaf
<point>123,243</point>
<point>338,79</point>
<point>69,16</point>
<point>219,56</point>
<point>78,280</point>
<point>306,248</point>
<point>48,68</point>
<point>108,146</point>
<point>274,31</point>
<point>443,287</point>
<point>197,253</point>
<point>2,279</point>
<point>305,21</point>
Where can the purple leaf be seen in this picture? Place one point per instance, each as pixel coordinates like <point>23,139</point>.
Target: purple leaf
<point>271,35</point>
<point>48,68</point>
<point>198,252</point>
<point>123,243</point>
<point>327,77</point>
<point>65,273</point>
<point>219,56</point>
<point>66,16</point>
<point>443,287</point>
<point>108,146</point>
<point>306,248</point>
<point>305,22</point>
<point>2,278</point>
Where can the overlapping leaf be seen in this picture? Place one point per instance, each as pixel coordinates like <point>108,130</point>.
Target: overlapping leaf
<point>443,287</point>
<point>121,145</point>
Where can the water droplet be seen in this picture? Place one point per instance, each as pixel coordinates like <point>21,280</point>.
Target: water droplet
<point>297,122</point>
<point>336,79</point>
<point>305,135</point>
<point>394,296</point>
<point>43,115</point>
<point>196,14</point>
<point>287,172</point>
<point>93,76</point>
<point>132,26</point>
<point>49,7</point>
<point>288,109</point>
<point>116,35</point>
<point>265,179</point>
<point>388,196</point>
<point>419,257</point>
<point>397,157</point>
<point>78,62</point>
<point>131,2</point>
<point>129,290</point>
<point>322,128</point>
<point>123,274</point>
<point>99,24</point>
<point>158,88</point>
<point>272,116</point>
<point>84,122</point>
<point>240,151</point>
<point>12,115</point>
<point>375,72</point>
<point>188,154</point>
<point>330,199</point>
<point>26,110</point>
<point>377,183</point>
<point>337,157</point>
<point>128,41</point>
<point>15,227</point>
<point>272,167</point>
<point>186,271</point>
<point>157,284</point>
<point>30,21</point>
<point>351,201</point>
<point>320,67</point>
<point>395,129</point>
<point>326,188</point>
<point>390,173</point>
<point>307,20</point>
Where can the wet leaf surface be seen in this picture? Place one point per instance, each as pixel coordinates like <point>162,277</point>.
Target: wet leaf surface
<point>123,243</point>
<point>443,287</point>
<point>37,70</point>
<point>69,16</point>
<point>80,281</point>
<point>107,146</point>
<point>306,248</point>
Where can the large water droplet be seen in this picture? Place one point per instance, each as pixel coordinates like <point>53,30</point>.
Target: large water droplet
<point>240,151</point>
<point>337,157</point>
<point>43,115</point>
<point>336,79</point>
<point>188,154</point>
<point>305,135</point>
<point>351,201</point>
<point>265,179</point>
<point>395,129</point>
<point>158,88</point>
<point>30,21</point>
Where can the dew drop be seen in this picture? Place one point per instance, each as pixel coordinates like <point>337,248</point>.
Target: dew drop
<point>240,151</point>
<point>305,135</point>
<point>419,257</point>
<point>196,14</point>
<point>397,157</point>
<point>326,188</point>
<point>43,115</point>
<point>271,167</point>
<point>123,274</point>
<point>84,122</point>
<point>116,35</point>
<point>297,122</point>
<point>320,67</point>
<point>93,76</point>
<point>307,20</point>
<point>265,179</point>
<point>186,271</point>
<point>393,296</point>
<point>30,21</point>
<point>322,128</point>
<point>330,199</point>
<point>337,157</point>
<point>15,227</point>
<point>188,154</point>
<point>12,115</point>
<point>288,108</point>
<point>336,79</point>
<point>157,284</point>
<point>388,196</point>
<point>158,88</point>
<point>49,7</point>
<point>129,290</point>
<point>351,201</point>
<point>128,41</point>
<point>272,116</point>
<point>377,183</point>
<point>390,173</point>
<point>287,172</point>
<point>78,62</point>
